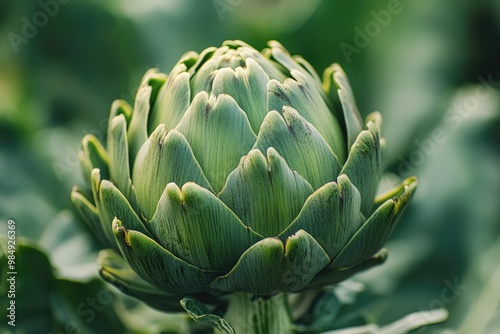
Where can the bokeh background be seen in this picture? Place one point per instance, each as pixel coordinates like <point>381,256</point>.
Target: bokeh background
<point>432,68</point>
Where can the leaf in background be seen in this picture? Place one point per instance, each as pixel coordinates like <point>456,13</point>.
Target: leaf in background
<point>331,304</point>
<point>401,260</point>
<point>419,59</point>
<point>480,306</point>
<point>34,284</point>
<point>455,210</point>
<point>71,251</point>
<point>45,303</point>
<point>407,324</point>
<point>201,314</point>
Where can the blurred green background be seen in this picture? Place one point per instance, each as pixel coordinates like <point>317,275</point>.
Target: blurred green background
<point>432,68</point>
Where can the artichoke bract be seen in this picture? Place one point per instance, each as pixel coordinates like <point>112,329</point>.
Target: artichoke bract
<point>240,171</point>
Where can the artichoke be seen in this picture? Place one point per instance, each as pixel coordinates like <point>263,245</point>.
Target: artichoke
<point>239,172</point>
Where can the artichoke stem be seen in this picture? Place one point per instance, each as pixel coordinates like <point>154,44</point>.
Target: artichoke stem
<point>251,315</point>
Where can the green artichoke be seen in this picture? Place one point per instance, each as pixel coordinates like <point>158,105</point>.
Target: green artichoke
<point>240,171</point>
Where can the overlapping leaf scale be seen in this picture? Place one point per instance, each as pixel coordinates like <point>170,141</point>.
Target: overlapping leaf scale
<point>120,107</point>
<point>363,166</point>
<point>157,265</point>
<point>116,271</point>
<point>117,147</point>
<point>336,85</point>
<point>93,155</point>
<point>173,99</point>
<point>306,98</point>
<point>223,57</point>
<point>219,134</point>
<point>154,79</point>
<point>270,267</point>
<point>95,183</point>
<point>273,69</point>
<point>265,193</point>
<point>197,227</point>
<point>300,144</point>
<point>281,56</point>
<point>111,203</point>
<point>164,158</point>
<point>308,68</point>
<point>331,215</point>
<point>89,214</point>
<point>375,231</point>
<point>137,132</point>
<point>248,86</point>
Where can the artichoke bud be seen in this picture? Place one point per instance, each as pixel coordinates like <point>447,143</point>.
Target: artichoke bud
<point>240,171</point>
